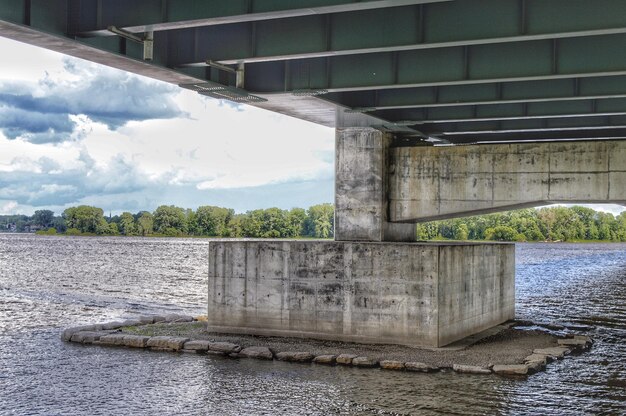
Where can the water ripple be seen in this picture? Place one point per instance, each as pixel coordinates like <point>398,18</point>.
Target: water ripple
<point>54,282</point>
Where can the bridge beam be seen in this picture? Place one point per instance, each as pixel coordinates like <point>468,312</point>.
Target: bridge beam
<point>429,183</point>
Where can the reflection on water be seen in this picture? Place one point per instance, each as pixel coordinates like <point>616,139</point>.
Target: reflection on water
<point>47,283</point>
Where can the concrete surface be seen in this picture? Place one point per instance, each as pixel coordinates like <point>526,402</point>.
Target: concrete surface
<point>429,183</point>
<point>426,294</point>
<point>361,182</point>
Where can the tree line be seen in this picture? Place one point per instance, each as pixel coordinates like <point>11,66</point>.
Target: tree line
<point>168,220</point>
<point>545,224</point>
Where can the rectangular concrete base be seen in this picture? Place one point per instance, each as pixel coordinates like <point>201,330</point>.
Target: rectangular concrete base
<point>423,294</point>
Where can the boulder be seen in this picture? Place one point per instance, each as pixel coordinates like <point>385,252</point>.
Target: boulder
<point>535,366</point>
<point>539,358</point>
<point>136,341</point>
<point>262,353</point>
<point>158,318</point>
<point>66,335</point>
<point>197,345</point>
<point>585,338</point>
<point>420,367</point>
<point>178,318</point>
<point>146,319</point>
<point>327,359</point>
<point>364,362</point>
<point>470,369</point>
<point>511,369</point>
<point>86,337</point>
<point>345,359</point>
<point>131,322</point>
<point>112,339</point>
<point>225,347</point>
<point>112,325</point>
<point>553,327</point>
<point>167,343</point>
<point>295,356</point>
<point>554,352</point>
<point>578,343</point>
<point>392,365</point>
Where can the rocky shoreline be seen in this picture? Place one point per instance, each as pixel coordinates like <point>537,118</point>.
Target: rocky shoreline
<point>508,351</point>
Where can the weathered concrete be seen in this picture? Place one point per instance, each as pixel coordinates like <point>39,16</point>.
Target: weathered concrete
<point>361,182</point>
<point>408,293</point>
<point>427,183</point>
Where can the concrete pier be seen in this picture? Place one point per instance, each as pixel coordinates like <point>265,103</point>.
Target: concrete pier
<point>374,283</point>
<point>427,183</point>
<point>361,188</point>
<point>425,294</point>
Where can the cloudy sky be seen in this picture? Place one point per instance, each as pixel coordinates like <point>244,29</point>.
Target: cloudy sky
<point>73,132</point>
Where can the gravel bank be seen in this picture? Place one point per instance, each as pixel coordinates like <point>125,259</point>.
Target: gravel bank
<point>509,346</point>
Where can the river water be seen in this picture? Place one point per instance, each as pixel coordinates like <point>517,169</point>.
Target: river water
<point>49,283</point>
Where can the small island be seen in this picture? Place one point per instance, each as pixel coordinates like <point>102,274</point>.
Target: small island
<point>516,348</point>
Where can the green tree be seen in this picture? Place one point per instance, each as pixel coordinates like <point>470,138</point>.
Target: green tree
<point>43,218</point>
<point>320,221</point>
<point>296,218</point>
<point>274,223</point>
<point>127,224</point>
<point>461,232</point>
<point>58,223</point>
<point>213,221</point>
<point>170,220</point>
<point>235,226</point>
<point>85,218</point>
<point>251,223</point>
<point>501,233</point>
<point>113,229</point>
<point>145,223</point>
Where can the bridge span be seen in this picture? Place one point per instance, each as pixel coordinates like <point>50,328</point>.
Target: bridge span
<point>442,108</point>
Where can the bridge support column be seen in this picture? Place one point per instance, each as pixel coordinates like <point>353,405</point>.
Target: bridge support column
<point>361,184</point>
<point>374,284</point>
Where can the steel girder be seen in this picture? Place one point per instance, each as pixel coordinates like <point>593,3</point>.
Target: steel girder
<point>463,70</point>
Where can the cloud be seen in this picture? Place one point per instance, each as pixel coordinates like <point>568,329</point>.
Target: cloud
<point>73,133</point>
<point>44,182</point>
<point>47,111</point>
<point>8,207</point>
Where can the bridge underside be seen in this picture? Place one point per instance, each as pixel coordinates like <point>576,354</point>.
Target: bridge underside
<point>540,85</point>
<point>430,71</point>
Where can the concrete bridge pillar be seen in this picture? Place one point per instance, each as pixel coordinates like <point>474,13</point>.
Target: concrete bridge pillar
<point>374,283</point>
<point>361,188</point>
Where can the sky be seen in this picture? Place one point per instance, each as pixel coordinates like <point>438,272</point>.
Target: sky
<point>74,132</point>
<point>78,133</point>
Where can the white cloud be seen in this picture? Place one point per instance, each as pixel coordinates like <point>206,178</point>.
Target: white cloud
<point>243,156</point>
<point>8,207</point>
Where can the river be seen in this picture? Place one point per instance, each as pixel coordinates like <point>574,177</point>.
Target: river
<point>49,283</point>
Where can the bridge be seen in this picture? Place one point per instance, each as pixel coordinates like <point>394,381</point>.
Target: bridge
<point>442,108</point>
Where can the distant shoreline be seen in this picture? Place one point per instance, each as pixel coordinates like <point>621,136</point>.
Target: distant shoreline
<point>297,238</point>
